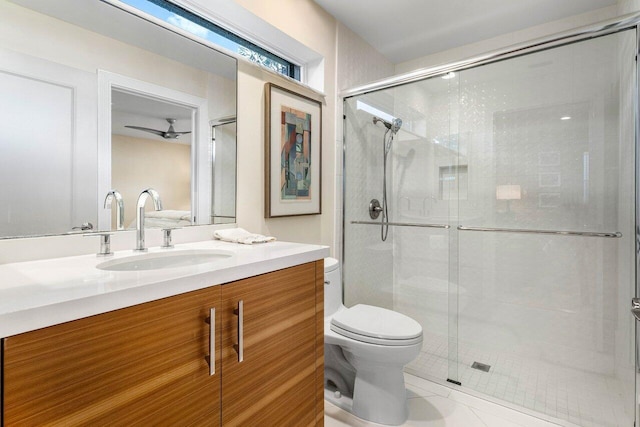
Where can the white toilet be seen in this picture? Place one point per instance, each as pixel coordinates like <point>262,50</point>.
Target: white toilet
<point>366,348</point>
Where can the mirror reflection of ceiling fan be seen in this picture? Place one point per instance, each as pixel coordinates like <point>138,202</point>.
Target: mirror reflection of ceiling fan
<point>168,134</point>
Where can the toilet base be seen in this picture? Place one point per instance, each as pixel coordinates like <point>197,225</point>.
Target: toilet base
<point>379,395</point>
<point>339,400</point>
<point>346,403</point>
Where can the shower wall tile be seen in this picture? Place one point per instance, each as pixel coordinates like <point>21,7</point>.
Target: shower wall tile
<point>558,300</point>
<point>357,63</point>
<point>368,267</point>
<point>624,324</point>
<point>546,297</point>
<point>368,261</point>
<point>554,301</point>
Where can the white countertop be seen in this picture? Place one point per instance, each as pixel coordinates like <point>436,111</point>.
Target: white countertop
<point>37,294</point>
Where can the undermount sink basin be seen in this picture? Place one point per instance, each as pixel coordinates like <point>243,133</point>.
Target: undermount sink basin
<point>167,259</point>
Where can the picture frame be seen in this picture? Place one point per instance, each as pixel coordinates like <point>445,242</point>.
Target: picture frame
<point>293,149</point>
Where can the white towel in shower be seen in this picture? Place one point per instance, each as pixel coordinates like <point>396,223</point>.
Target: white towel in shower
<point>240,235</point>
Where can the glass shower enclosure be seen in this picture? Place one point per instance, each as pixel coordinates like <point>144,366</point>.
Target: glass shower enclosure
<point>511,212</point>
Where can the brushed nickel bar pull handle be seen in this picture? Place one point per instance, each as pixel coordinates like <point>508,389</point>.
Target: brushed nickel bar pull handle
<point>212,341</point>
<point>240,346</point>
<point>617,234</point>
<point>635,307</point>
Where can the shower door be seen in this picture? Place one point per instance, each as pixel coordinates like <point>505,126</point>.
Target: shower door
<point>511,190</point>
<point>543,318</point>
<point>408,271</point>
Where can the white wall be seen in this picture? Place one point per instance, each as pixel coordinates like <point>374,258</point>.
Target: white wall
<point>628,6</point>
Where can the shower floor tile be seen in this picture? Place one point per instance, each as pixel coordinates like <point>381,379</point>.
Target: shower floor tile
<point>568,396</point>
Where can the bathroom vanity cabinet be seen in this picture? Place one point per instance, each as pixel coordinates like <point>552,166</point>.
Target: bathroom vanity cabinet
<point>149,364</point>
<point>275,384</point>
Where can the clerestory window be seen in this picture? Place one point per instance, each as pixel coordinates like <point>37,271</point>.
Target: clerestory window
<point>197,25</point>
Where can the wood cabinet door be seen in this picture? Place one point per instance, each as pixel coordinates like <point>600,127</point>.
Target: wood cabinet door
<point>275,384</point>
<point>143,365</point>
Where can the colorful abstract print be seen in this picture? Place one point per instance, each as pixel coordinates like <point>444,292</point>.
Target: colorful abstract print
<point>295,155</point>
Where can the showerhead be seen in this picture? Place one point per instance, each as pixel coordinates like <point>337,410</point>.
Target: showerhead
<point>394,126</point>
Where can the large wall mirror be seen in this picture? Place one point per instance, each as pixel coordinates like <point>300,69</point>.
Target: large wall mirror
<point>90,92</point>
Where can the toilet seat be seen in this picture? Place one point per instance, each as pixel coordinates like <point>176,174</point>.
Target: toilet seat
<point>376,325</point>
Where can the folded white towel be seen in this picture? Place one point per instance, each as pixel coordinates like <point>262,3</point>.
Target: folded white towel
<point>169,214</point>
<point>240,235</point>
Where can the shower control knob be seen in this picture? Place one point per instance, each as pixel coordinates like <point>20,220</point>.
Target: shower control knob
<point>374,208</point>
<point>337,394</point>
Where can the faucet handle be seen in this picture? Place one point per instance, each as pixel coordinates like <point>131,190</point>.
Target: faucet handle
<point>84,227</point>
<point>166,241</point>
<point>105,243</point>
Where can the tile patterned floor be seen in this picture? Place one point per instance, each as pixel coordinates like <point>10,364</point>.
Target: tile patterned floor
<point>434,405</point>
<point>576,397</point>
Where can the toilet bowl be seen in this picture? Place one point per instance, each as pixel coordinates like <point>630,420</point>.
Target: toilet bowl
<point>366,349</point>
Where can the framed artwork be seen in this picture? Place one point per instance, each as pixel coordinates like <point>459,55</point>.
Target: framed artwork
<point>293,138</point>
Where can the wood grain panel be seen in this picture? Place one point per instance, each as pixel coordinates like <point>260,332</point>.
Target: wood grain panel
<point>275,384</point>
<point>319,382</point>
<point>142,365</point>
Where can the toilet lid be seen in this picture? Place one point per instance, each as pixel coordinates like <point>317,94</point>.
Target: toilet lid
<point>376,325</point>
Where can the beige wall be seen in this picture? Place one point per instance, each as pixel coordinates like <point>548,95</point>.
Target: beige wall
<point>284,14</point>
<point>139,163</point>
<point>348,60</point>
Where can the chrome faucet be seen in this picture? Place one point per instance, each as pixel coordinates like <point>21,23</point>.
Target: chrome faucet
<point>111,195</point>
<point>142,199</point>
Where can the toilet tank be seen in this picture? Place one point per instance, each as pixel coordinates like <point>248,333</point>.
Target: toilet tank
<point>332,286</point>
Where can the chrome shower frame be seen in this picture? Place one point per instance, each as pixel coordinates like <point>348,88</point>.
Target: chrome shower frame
<point>622,23</point>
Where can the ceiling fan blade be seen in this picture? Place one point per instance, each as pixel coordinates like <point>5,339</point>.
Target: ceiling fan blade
<point>154,131</point>
<point>174,135</point>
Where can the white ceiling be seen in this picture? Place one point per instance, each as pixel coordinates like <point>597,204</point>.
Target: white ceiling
<point>136,110</point>
<point>407,29</point>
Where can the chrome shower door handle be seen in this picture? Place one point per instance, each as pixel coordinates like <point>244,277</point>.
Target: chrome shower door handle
<point>240,346</point>
<point>635,307</point>
<point>212,341</point>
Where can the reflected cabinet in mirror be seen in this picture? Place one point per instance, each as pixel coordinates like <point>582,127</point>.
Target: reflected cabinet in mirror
<point>96,98</point>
